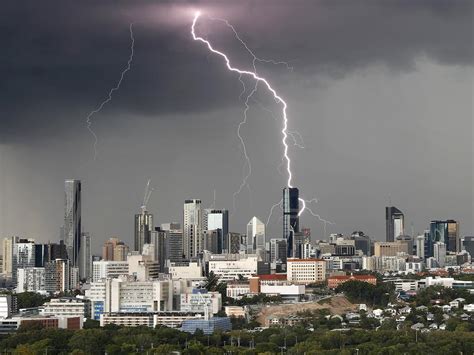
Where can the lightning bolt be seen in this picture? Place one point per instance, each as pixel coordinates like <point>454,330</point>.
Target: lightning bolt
<point>278,99</point>
<point>279,203</point>
<point>258,79</point>
<point>109,97</point>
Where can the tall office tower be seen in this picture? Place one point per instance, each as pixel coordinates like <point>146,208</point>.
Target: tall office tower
<point>278,250</point>
<point>174,241</point>
<point>108,248</point>
<point>439,253</point>
<point>85,257</point>
<point>299,239</point>
<point>211,241</point>
<point>420,246</point>
<point>23,256</point>
<point>72,219</point>
<point>158,239</point>
<point>291,208</point>
<point>120,252</point>
<point>143,229</point>
<point>255,235</point>
<point>217,220</point>
<point>394,225</point>
<point>362,242</point>
<point>192,229</point>
<point>446,232</point>
<point>57,251</point>
<point>234,242</point>
<point>41,254</point>
<point>7,262</point>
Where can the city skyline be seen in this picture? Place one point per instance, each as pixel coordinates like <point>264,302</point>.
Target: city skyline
<point>375,122</point>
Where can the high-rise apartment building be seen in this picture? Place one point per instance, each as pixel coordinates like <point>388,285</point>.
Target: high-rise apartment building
<point>121,251</point>
<point>217,220</point>
<point>108,248</point>
<point>114,250</point>
<point>394,223</point>
<point>193,241</point>
<point>72,220</point>
<point>255,235</point>
<point>291,208</point>
<point>23,256</point>
<point>143,228</point>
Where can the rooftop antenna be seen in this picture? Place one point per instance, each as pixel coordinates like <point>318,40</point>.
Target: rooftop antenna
<point>147,195</point>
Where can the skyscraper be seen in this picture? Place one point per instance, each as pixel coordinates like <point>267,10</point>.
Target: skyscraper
<point>143,229</point>
<point>255,235</point>
<point>72,220</point>
<point>23,256</point>
<point>394,223</point>
<point>291,208</point>
<point>173,242</point>
<point>108,248</point>
<point>7,262</point>
<point>446,232</point>
<point>217,220</point>
<point>85,257</point>
<point>193,241</point>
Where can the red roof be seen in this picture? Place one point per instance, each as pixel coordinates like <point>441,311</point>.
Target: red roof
<point>273,277</point>
<point>348,277</point>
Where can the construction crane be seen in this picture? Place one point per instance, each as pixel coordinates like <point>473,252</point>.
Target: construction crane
<point>147,195</point>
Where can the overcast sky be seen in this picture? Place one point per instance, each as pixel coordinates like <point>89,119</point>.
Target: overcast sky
<point>381,93</point>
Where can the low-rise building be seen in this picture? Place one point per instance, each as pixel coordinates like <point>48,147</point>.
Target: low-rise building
<point>10,325</point>
<point>148,319</point>
<point>237,290</point>
<point>230,267</point>
<point>66,307</point>
<point>236,311</point>
<point>200,299</point>
<point>185,270</point>
<point>306,271</point>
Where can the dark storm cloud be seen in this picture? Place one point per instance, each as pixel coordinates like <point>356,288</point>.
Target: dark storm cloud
<point>61,57</point>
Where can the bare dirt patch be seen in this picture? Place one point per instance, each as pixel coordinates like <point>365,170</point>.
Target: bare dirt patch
<point>335,305</point>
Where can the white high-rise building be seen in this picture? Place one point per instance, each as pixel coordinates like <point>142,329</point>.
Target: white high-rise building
<point>72,220</point>
<point>439,253</point>
<point>255,235</point>
<point>420,246</point>
<point>193,239</point>
<point>31,279</point>
<point>23,256</point>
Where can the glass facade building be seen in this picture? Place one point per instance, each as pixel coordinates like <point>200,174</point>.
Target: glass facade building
<point>291,208</point>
